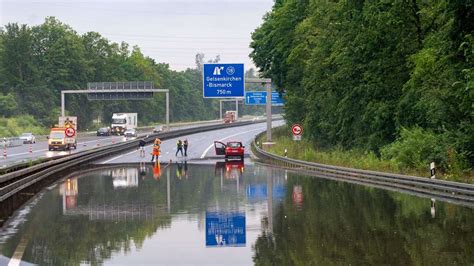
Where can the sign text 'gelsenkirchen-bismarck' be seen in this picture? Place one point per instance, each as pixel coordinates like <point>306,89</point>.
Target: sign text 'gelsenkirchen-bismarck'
<point>223,80</point>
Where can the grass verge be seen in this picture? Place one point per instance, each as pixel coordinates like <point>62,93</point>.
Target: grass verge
<point>306,151</point>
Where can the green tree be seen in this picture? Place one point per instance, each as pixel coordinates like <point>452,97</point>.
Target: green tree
<point>8,105</point>
<point>357,72</point>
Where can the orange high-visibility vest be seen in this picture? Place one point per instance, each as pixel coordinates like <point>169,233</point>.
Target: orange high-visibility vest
<point>156,150</point>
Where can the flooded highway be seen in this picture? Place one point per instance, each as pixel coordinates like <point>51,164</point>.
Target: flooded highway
<point>230,213</point>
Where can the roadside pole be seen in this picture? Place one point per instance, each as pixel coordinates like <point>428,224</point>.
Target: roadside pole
<point>268,86</point>
<point>236,108</point>
<point>62,104</point>
<point>220,110</point>
<point>167,110</point>
<point>433,170</point>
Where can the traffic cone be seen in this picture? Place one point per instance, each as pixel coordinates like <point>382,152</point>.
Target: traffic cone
<point>31,148</point>
<point>113,141</point>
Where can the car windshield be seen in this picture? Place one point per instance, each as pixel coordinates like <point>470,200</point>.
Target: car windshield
<point>130,131</point>
<point>104,129</point>
<point>119,121</point>
<point>57,135</point>
<point>26,134</point>
<point>234,145</point>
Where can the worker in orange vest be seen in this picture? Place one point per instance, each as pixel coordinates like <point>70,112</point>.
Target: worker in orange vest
<point>156,149</point>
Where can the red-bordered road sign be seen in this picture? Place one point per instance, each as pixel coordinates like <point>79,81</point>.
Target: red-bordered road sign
<point>70,132</point>
<point>297,130</point>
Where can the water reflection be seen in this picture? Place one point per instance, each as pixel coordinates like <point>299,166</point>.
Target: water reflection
<point>231,169</point>
<point>172,213</point>
<point>69,191</point>
<point>338,223</point>
<point>298,196</point>
<point>124,177</point>
<point>225,229</point>
<point>433,208</point>
<point>182,169</point>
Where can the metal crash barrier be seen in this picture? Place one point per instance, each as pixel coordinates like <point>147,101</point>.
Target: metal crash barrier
<point>460,193</point>
<point>11,142</point>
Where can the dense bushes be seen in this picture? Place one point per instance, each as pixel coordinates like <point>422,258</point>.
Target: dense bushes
<point>363,74</point>
<point>10,127</point>
<point>416,148</point>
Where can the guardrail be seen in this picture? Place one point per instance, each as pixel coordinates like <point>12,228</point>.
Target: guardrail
<point>23,164</point>
<point>16,181</point>
<point>11,142</point>
<point>445,190</point>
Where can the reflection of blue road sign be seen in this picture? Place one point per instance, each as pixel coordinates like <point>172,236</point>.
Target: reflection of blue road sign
<point>224,229</point>
<point>223,80</point>
<point>260,98</point>
<point>257,192</point>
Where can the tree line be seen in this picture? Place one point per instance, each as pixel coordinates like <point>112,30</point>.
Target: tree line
<point>392,77</point>
<point>37,62</point>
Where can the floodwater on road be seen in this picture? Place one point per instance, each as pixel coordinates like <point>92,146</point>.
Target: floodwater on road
<point>233,214</point>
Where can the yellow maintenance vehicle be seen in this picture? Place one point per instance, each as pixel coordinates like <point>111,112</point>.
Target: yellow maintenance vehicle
<point>63,136</point>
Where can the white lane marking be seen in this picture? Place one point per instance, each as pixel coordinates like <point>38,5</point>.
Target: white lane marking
<point>18,254</point>
<point>241,133</point>
<point>120,156</point>
<point>23,153</point>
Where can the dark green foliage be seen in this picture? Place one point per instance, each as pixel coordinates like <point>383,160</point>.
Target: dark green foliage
<point>37,62</point>
<point>8,104</point>
<point>357,72</point>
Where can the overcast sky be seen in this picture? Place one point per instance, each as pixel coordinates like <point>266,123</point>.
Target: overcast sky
<point>169,31</point>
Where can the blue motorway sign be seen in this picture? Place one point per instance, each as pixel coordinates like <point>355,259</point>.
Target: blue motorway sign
<point>260,98</point>
<point>276,99</point>
<point>255,97</point>
<point>225,229</point>
<point>223,80</point>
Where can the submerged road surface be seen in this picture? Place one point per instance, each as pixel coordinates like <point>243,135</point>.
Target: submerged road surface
<point>230,214</point>
<point>201,210</point>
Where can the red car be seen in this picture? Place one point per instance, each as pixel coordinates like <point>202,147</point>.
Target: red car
<point>233,149</point>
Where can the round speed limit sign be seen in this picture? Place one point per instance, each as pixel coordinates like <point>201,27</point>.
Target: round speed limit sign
<point>70,132</point>
<point>297,130</point>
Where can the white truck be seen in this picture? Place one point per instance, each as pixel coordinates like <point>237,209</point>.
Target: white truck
<point>123,121</point>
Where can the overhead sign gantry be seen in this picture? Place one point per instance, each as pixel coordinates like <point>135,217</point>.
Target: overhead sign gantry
<point>134,90</point>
